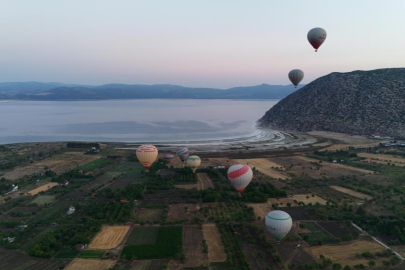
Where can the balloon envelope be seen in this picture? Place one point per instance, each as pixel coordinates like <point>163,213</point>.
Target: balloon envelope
<point>316,37</point>
<point>296,76</point>
<point>278,223</point>
<point>193,162</point>
<point>240,175</point>
<point>147,154</point>
<point>183,153</point>
<point>169,158</point>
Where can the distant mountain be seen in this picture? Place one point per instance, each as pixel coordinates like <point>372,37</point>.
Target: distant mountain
<point>358,102</point>
<point>12,88</point>
<point>52,91</point>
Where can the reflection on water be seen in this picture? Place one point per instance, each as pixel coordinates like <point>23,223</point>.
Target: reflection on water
<point>129,120</point>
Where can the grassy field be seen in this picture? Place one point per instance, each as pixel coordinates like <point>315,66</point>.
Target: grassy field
<point>168,244</point>
<point>91,254</point>
<point>142,236</point>
<point>43,199</point>
<point>317,236</point>
<point>66,254</point>
<point>95,164</point>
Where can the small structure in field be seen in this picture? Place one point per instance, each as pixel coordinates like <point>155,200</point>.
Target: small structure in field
<point>80,247</point>
<point>71,210</point>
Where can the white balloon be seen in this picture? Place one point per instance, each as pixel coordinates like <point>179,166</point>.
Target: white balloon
<point>278,223</point>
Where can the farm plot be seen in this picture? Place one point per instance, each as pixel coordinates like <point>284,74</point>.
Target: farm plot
<point>345,253</point>
<point>309,198</point>
<point>204,181</point>
<point>266,167</point>
<point>43,199</point>
<point>58,163</point>
<point>142,236</point>
<point>109,237</point>
<point>45,187</point>
<point>85,264</point>
<point>101,162</point>
<point>334,228</point>
<point>383,159</point>
<point>91,254</point>
<point>282,201</point>
<point>261,209</point>
<point>256,252</point>
<point>147,214</point>
<point>187,186</point>
<point>168,243</point>
<point>165,196</point>
<point>193,246</point>
<point>12,260</point>
<point>338,168</point>
<point>216,251</point>
<point>297,213</point>
<point>67,254</point>
<point>352,193</point>
<point>184,212</point>
<point>290,254</point>
<point>317,235</point>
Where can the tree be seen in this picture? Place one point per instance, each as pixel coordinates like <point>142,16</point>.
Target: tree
<point>371,263</point>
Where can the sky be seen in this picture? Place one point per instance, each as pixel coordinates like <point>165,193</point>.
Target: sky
<point>210,43</point>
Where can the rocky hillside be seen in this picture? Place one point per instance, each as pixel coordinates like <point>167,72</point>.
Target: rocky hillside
<point>358,102</point>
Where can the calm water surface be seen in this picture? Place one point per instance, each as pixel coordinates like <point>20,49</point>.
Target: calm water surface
<point>155,120</point>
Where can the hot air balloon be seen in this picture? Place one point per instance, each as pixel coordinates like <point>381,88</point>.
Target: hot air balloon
<point>240,176</point>
<point>183,153</point>
<point>296,76</point>
<point>147,154</point>
<point>278,223</point>
<point>316,37</point>
<point>193,162</point>
<point>169,158</point>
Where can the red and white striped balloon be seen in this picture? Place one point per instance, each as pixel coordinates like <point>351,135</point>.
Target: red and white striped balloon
<point>240,176</point>
<point>147,154</point>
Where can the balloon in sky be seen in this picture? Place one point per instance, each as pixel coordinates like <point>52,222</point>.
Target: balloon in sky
<point>278,223</point>
<point>296,76</point>
<point>183,153</point>
<point>147,154</point>
<point>194,162</point>
<point>169,158</point>
<point>240,176</point>
<point>316,37</point>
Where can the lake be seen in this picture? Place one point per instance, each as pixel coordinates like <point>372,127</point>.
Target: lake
<point>150,120</point>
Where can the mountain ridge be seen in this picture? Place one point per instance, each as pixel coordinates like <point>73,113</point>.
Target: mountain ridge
<point>357,102</point>
<point>55,91</point>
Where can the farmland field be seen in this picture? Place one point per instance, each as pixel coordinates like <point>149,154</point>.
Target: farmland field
<point>345,253</point>
<point>43,199</point>
<point>297,213</point>
<point>66,254</point>
<point>308,198</point>
<point>109,237</point>
<point>168,244</point>
<point>204,181</point>
<point>91,254</point>
<point>193,247</point>
<point>216,252</point>
<point>148,214</point>
<point>383,159</point>
<point>142,236</point>
<point>184,212</point>
<point>352,193</point>
<point>93,264</point>
<point>95,164</point>
<point>45,187</point>
<point>317,236</point>
<point>58,163</point>
<point>266,167</point>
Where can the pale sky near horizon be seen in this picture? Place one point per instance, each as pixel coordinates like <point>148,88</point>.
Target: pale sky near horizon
<point>210,43</point>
